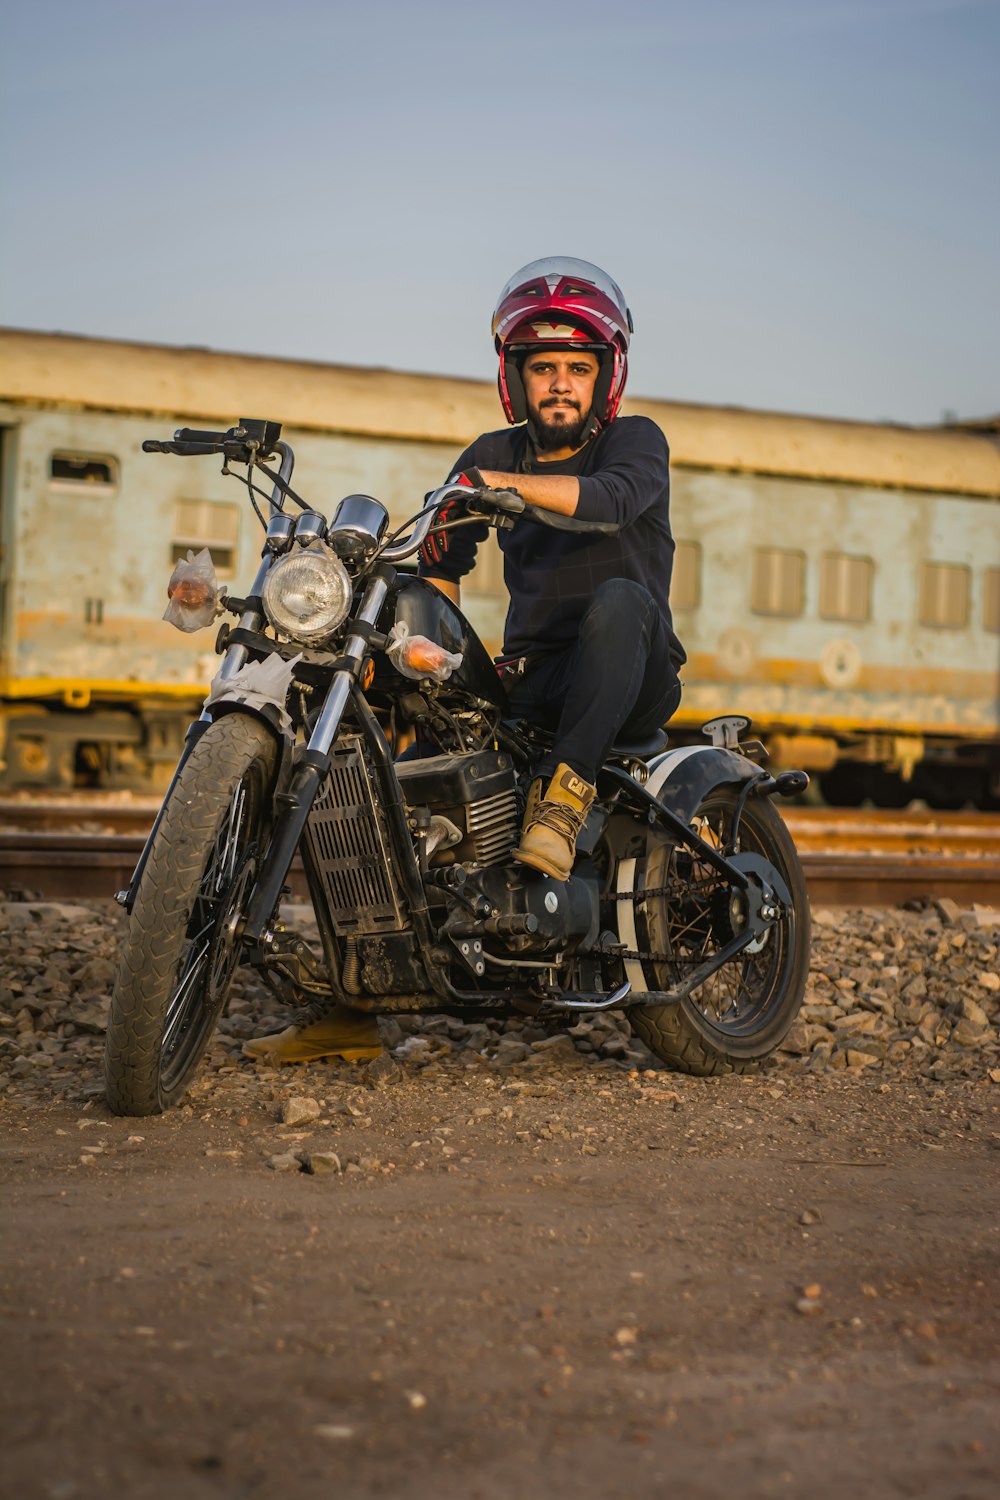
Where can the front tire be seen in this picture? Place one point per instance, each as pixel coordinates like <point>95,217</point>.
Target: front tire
<point>744,1010</point>
<point>181,949</point>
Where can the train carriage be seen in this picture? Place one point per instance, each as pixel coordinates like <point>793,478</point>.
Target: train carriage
<point>838,582</point>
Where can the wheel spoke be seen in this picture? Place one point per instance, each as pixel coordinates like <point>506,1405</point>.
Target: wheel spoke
<point>178,1009</point>
<point>231,847</point>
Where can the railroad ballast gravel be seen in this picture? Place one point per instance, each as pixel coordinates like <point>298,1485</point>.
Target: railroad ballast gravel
<point>914,993</point>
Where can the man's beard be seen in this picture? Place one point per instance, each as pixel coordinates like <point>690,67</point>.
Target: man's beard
<point>550,436</point>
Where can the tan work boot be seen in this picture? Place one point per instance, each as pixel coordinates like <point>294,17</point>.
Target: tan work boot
<point>552,825</point>
<point>531,802</point>
<point>351,1035</point>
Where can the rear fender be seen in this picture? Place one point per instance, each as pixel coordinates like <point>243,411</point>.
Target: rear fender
<point>682,779</point>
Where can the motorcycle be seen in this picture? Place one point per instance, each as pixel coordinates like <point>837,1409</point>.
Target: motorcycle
<point>686,906</point>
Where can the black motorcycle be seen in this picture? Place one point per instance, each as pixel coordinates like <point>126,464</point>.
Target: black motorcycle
<point>686,906</point>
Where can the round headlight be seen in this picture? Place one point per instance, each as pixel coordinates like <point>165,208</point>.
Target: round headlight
<point>307,594</point>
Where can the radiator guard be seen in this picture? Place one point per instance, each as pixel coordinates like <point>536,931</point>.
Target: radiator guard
<point>347,846</point>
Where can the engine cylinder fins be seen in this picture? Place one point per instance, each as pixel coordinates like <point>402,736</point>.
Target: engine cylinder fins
<point>493,827</point>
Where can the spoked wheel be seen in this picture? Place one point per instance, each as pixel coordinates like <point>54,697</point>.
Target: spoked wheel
<point>183,942</point>
<point>743,1010</point>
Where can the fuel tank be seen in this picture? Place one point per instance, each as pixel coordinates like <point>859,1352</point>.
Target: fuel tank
<point>427,612</point>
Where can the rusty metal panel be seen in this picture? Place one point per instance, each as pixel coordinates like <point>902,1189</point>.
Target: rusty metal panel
<point>89,562</point>
<point>87,566</point>
<point>111,375</point>
<point>888,671</point>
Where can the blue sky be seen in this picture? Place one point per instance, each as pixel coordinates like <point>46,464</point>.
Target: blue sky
<point>801,200</point>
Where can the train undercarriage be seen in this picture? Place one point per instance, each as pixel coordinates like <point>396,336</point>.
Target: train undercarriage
<point>135,746</point>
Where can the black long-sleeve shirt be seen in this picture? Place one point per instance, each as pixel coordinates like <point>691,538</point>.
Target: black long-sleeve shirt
<point>550,575</point>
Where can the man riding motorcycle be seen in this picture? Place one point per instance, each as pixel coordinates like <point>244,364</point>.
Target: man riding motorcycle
<point>589,647</point>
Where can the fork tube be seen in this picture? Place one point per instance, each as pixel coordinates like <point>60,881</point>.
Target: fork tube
<point>251,619</point>
<point>339,692</point>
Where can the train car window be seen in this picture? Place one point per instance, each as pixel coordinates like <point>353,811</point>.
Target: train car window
<point>778,582</point>
<point>207,523</point>
<point>685,580</point>
<point>845,587</point>
<point>991,600</point>
<point>75,471</point>
<point>944,595</point>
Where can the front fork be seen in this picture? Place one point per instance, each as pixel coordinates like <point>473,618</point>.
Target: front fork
<point>295,804</point>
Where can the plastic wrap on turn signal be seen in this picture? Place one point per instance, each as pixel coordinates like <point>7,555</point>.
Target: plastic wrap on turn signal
<point>417,657</point>
<point>194,593</point>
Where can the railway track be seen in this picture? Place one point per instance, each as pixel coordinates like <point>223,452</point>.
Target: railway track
<point>86,845</point>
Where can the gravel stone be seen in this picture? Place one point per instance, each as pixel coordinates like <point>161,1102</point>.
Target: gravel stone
<point>284,1161</point>
<point>298,1111</point>
<point>320,1163</point>
<point>903,993</point>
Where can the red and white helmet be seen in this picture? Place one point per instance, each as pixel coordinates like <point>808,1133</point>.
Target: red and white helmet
<point>562,303</point>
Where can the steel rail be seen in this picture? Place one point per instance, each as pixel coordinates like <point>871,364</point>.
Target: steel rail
<point>64,863</point>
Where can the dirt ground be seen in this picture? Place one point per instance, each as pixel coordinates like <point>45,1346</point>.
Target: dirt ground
<point>583,1280</point>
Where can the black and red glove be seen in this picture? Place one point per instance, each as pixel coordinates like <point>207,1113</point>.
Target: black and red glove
<point>435,548</point>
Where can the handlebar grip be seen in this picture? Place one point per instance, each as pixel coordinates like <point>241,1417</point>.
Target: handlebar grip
<point>194,435</point>
<point>486,501</point>
<point>509,501</point>
<point>556,521</point>
<point>186,450</point>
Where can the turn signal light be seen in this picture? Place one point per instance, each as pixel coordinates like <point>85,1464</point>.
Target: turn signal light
<point>191,593</point>
<point>423,656</point>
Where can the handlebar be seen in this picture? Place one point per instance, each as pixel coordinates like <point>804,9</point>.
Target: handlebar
<point>510,503</point>
<point>487,501</point>
<point>425,521</point>
<point>252,439</point>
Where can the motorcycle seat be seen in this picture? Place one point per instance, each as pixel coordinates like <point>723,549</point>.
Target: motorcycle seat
<point>639,749</point>
<point>626,749</point>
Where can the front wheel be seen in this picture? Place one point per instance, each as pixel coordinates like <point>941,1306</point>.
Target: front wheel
<point>743,1011</point>
<point>182,945</point>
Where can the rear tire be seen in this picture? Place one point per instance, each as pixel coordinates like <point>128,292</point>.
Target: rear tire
<point>181,951</point>
<point>743,1011</point>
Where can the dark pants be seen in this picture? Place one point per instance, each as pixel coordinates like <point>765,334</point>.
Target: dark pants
<point>615,682</point>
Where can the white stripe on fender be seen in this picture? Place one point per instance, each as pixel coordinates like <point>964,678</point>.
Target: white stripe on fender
<point>626,925</point>
<point>661,769</point>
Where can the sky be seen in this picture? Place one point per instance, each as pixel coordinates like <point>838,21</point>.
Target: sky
<point>800,198</point>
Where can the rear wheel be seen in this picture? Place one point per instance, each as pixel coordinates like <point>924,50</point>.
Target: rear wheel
<point>182,946</point>
<point>742,1011</point>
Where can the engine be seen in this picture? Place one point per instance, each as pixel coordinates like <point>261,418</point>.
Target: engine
<point>464,805</point>
<point>467,809</point>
